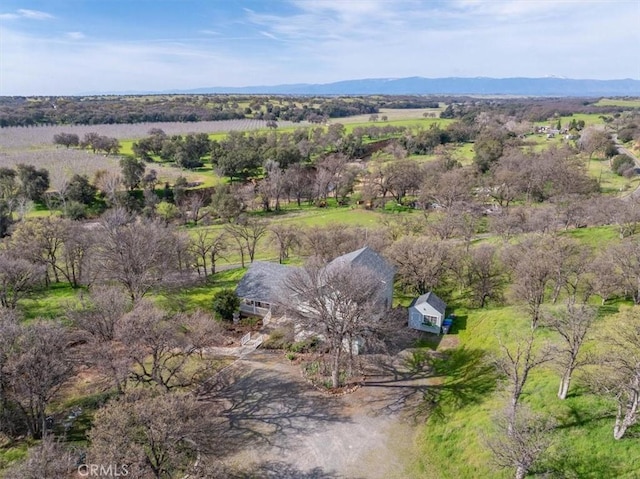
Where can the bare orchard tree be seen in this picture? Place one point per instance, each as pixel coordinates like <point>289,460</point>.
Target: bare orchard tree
<point>247,232</point>
<point>153,435</point>
<point>163,348</point>
<point>339,303</point>
<point>515,363</point>
<point>286,237</point>
<point>422,263</point>
<point>207,247</point>
<point>520,442</point>
<point>617,371</point>
<point>572,324</point>
<point>37,368</point>
<point>17,277</point>
<point>137,254</point>
<point>97,322</point>
<point>533,263</point>
<point>9,333</point>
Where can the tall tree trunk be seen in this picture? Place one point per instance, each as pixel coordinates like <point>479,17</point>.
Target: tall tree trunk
<point>565,381</point>
<point>521,472</point>
<point>335,367</point>
<point>628,418</point>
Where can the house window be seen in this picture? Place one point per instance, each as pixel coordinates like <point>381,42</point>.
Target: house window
<point>429,320</point>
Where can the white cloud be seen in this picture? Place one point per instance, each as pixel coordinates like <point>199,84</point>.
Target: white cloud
<point>269,35</point>
<point>34,14</point>
<point>28,14</point>
<point>328,40</point>
<point>75,35</point>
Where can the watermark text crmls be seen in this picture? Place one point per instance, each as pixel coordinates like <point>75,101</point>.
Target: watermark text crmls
<point>103,470</point>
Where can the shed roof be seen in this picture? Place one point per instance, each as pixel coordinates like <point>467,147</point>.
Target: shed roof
<point>430,299</point>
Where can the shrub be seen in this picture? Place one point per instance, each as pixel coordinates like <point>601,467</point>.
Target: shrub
<point>225,303</point>
<point>281,338</point>
<point>75,210</point>
<point>622,163</point>
<point>305,346</point>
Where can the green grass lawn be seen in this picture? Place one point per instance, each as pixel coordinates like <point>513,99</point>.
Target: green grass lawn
<point>610,182</point>
<point>198,297</point>
<point>50,303</point>
<point>452,446</point>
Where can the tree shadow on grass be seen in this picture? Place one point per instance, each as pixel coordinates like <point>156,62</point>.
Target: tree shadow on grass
<point>261,407</point>
<point>569,464</point>
<point>577,417</point>
<point>435,384</point>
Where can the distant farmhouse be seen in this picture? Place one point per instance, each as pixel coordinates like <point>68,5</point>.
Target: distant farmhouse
<point>261,288</point>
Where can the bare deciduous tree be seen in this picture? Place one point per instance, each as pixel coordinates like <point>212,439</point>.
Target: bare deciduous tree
<point>339,303</point>
<point>620,263</point>
<point>160,435</point>
<point>484,274</point>
<point>247,232</point>
<point>48,460</point>
<point>572,324</point>
<point>422,264</point>
<point>532,262</point>
<point>286,238</point>
<point>137,254</point>
<point>516,363</point>
<point>17,277</point>
<point>207,248</point>
<point>520,442</point>
<point>617,372</point>
<point>163,348</point>
<point>37,368</point>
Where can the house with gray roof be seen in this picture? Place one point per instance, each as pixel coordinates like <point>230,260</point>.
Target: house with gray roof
<point>262,285</point>
<point>368,258</point>
<point>426,313</point>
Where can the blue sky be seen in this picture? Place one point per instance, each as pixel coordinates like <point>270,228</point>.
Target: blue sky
<point>59,47</point>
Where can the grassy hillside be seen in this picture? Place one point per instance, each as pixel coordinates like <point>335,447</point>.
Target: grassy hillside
<point>583,445</point>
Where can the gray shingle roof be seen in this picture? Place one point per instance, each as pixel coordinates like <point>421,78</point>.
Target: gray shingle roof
<point>368,258</point>
<point>263,280</point>
<point>431,299</point>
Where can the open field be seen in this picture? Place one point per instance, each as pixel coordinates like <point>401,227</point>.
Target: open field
<point>23,137</point>
<point>623,102</point>
<point>392,114</point>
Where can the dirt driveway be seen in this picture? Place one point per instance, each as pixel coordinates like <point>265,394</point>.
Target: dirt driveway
<point>278,426</point>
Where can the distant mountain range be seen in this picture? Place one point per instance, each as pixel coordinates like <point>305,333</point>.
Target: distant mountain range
<point>549,86</point>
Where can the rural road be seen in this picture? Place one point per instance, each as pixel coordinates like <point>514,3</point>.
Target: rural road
<point>635,194</point>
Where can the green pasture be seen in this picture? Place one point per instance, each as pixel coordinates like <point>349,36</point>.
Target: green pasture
<point>352,122</point>
<point>610,182</point>
<point>50,303</point>
<point>597,237</point>
<point>623,102</point>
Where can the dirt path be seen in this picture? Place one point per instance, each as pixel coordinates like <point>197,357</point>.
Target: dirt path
<point>278,426</point>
